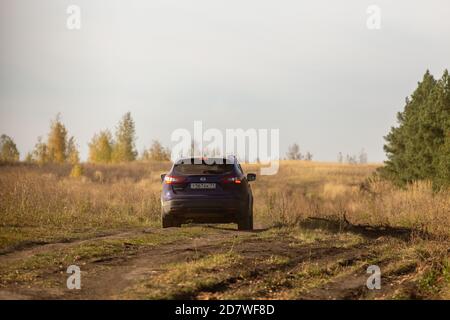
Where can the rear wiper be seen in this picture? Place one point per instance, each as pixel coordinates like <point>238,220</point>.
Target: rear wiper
<point>212,171</point>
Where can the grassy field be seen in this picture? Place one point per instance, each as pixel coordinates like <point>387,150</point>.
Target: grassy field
<point>318,226</point>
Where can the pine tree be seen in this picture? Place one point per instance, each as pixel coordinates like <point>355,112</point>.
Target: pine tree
<point>8,149</point>
<point>442,161</point>
<point>417,148</point>
<point>124,149</point>
<point>100,147</point>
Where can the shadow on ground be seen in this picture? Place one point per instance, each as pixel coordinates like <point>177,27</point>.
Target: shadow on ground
<point>371,232</point>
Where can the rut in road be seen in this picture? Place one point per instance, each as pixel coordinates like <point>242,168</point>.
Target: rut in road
<point>273,264</point>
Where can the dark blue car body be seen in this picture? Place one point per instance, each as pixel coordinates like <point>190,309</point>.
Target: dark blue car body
<point>207,190</point>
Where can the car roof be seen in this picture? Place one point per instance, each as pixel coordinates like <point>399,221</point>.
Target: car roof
<point>227,160</point>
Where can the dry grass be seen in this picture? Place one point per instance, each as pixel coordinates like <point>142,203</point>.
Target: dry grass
<point>44,203</point>
<point>349,193</point>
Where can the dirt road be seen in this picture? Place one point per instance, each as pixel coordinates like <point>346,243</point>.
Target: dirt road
<point>314,261</point>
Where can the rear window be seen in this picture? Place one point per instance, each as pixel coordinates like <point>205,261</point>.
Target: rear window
<point>202,168</point>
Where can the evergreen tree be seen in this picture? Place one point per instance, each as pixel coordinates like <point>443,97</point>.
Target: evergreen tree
<point>417,148</point>
<point>124,149</point>
<point>442,161</point>
<point>8,149</point>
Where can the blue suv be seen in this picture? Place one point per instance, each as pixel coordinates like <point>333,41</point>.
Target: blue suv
<point>207,190</point>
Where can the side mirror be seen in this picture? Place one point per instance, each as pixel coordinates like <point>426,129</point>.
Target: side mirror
<point>162,177</point>
<point>251,177</point>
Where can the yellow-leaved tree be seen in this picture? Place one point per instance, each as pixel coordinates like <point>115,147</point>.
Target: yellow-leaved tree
<point>58,148</point>
<point>124,149</point>
<point>57,141</point>
<point>8,149</point>
<point>156,152</point>
<point>100,147</point>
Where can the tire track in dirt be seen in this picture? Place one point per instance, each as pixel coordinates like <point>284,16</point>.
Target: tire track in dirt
<point>111,277</point>
<point>353,286</point>
<point>322,254</point>
<point>29,249</point>
<point>106,277</point>
<point>152,263</point>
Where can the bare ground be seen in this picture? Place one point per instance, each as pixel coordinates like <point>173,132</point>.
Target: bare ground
<point>315,261</point>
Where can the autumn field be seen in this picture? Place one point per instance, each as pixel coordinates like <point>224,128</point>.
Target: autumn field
<point>318,226</point>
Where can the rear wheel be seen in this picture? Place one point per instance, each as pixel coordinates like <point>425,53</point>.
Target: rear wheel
<point>167,222</point>
<point>245,221</point>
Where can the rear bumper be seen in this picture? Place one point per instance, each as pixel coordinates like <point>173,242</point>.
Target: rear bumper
<point>203,210</point>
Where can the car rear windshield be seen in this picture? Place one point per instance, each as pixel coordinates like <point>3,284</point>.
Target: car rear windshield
<point>202,168</point>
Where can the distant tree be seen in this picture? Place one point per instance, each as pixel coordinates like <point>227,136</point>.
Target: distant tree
<point>363,158</point>
<point>418,148</point>
<point>294,152</point>
<point>8,149</point>
<point>29,157</point>
<point>100,147</point>
<point>308,156</point>
<point>40,152</point>
<point>340,157</point>
<point>195,149</point>
<point>124,149</point>
<point>73,157</point>
<point>57,141</point>
<point>212,152</point>
<point>351,159</point>
<point>58,148</point>
<point>156,152</point>
<point>72,153</point>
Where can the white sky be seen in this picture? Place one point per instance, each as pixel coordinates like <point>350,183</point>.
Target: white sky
<point>310,68</point>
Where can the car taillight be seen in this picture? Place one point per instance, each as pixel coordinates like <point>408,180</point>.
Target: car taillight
<point>232,179</point>
<point>173,180</point>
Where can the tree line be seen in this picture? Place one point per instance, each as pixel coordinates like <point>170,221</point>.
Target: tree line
<point>60,148</point>
<point>294,153</point>
<point>417,149</point>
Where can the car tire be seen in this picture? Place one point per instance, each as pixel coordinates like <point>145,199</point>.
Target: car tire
<point>245,222</point>
<point>167,222</point>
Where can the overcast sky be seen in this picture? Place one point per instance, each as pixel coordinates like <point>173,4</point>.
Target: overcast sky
<point>310,68</point>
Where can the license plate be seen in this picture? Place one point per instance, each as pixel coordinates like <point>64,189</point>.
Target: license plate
<point>203,185</point>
